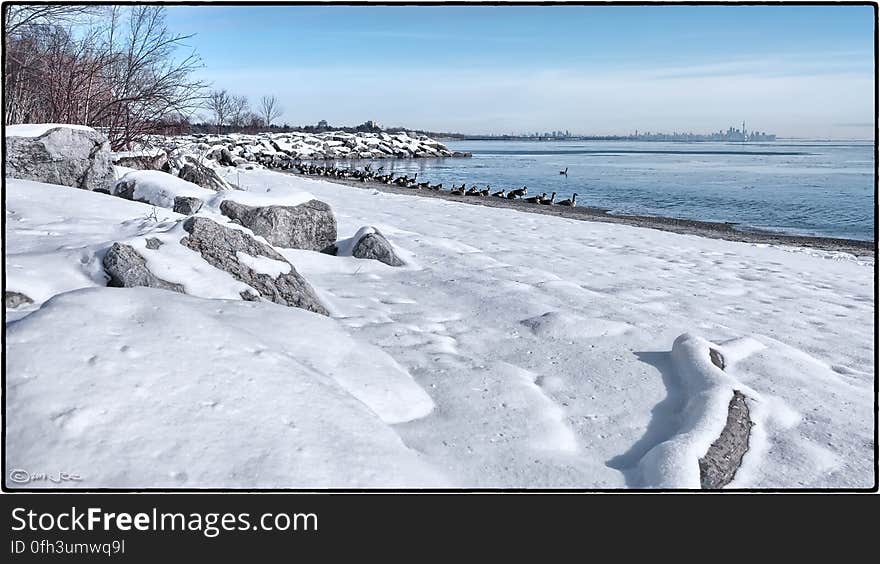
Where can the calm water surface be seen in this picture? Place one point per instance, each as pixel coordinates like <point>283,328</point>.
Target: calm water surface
<point>799,187</point>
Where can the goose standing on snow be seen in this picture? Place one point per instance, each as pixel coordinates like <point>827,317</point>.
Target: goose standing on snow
<point>569,202</point>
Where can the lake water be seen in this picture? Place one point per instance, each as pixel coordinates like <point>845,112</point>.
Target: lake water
<point>799,187</point>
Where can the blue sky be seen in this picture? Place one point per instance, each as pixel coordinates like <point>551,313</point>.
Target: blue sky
<point>803,71</point>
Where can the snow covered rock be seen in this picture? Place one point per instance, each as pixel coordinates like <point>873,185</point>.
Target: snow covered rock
<point>187,205</point>
<point>12,300</point>
<point>59,154</point>
<point>201,175</point>
<point>309,226</point>
<point>225,248</point>
<point>168,390</point>
<point>127,269</point>
<point>157,188</point>
<point>368,243</point>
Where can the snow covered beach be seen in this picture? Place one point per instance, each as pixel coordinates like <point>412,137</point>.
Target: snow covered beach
<point>512,350</point>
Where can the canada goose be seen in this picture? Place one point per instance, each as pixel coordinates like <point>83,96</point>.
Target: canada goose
<point>436,187</point>
<point>518,193</point>
<point>565,172</point>
<point>498,194</point>
<point>536,199</point>
<point>547,202</point>
<point>485,191</point>
<point>472,191</point>
<point>569,202</point>
<point>457,191</point>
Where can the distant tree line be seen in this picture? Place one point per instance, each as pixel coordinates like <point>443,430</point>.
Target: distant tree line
<point>117,68</point>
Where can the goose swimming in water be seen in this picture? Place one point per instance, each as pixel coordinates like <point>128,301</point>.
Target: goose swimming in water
<point>536,199</point>
<point>569,202</point>
<point>548,202</point>
<point>565,172</point>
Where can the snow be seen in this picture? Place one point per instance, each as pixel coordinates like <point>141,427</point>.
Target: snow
<point>176,391</point>
<point>515,350</point>
<point>160,188</point>
<point>263,265</point>
<point>39,129</point>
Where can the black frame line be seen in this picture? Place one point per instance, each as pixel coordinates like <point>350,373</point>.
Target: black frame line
<point>543,491</point>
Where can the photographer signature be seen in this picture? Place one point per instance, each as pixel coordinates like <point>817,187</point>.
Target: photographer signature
<point>19,476</point>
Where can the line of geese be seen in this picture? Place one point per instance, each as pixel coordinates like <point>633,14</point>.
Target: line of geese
<point>406,182</point>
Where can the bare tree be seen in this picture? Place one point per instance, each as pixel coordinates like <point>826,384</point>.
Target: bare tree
<point>239,110</point>
<point>219,103</point>
<point>123,75</point>
<point>270,110</point>
<point>19,18</point>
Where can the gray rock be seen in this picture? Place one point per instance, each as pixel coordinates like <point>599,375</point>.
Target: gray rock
<point>201,175</point>
<point>12,300</point>
<point>153,243</point>
<point>718,467</point>
<point>309,226</point>
<point>717,358</point>
<point>375,246</point>
<point>187,205</point>
<point>127,269</point>
<point>70,157</point>
<point>218,246</point>
<point>124,188</point>
<point>226,157</point>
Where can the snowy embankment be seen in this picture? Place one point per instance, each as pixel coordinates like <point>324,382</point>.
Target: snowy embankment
<point>511,350</point>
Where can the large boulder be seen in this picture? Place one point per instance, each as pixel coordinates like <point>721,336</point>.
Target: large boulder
<point>310,226</point>
<point>58,154</point>
<point>222,247</point>
<point>127,269</point>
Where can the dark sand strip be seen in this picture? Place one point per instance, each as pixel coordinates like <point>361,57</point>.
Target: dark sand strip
<point>726,231</point>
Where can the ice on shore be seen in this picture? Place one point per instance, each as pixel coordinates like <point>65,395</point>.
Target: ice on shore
<point>515,350</point>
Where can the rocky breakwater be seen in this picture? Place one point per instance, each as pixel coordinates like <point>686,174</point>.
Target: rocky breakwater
<point>280,150</point>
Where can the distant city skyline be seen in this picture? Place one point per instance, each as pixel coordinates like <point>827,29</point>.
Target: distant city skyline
<point>798,71</point>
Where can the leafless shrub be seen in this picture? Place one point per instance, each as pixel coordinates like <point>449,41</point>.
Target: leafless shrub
<point>121,75</point>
